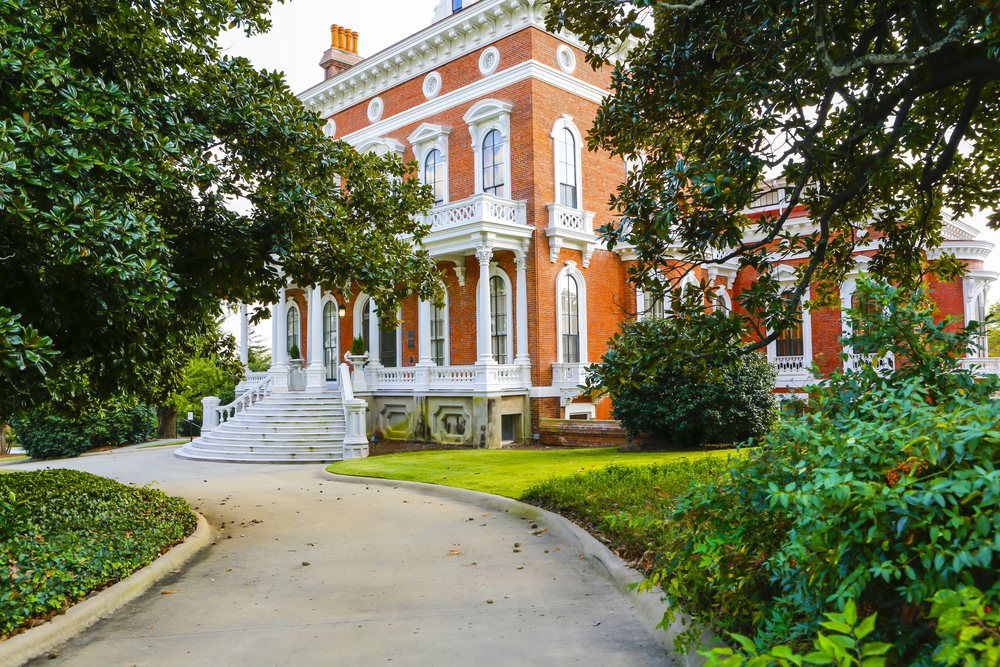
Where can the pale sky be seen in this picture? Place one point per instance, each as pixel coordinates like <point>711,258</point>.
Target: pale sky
<point>301,33</point>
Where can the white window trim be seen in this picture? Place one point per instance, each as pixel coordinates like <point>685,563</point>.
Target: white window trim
<point>290,305</point>
<point>328,298</point>
<point>426,138</point>
<point>720,290</point>
<point>509,304</point>
<point>566,123</point>
<point>642,307</point>
<point>382,146</point>
<point>374,357</point>
<point>786,278</point>
<point>579,408</point>
<point>483,117</point>
<point>571,270</point>
<point>445,315</point>
<point>359,307</point>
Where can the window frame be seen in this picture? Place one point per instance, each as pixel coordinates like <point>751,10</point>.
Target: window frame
<point>565,126</point>
<point>482,118</point>
<point>497,272</point>
<point>437,185</point>
<point>425,139</point>
<point>445,334</point>
<point>495,138</point>
<point>329,301</point>
<point>292,308</point>
<point>571,271</point>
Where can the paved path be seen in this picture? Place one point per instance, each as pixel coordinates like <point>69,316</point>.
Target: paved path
<point>394,578</point>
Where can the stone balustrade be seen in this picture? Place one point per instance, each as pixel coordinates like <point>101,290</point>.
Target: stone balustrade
<point>478,208</point>
<point>213,414</point>
<point>427,378</point>
<point>982,365</point>
<point>790,364</point>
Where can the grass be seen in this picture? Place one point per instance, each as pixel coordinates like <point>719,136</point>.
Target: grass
<point>503,472</point>
<point>65,533</point>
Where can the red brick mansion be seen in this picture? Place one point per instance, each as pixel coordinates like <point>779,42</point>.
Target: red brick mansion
<point>495,110</point>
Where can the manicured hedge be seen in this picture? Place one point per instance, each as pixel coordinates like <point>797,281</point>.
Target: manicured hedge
<point>46,435</point>
<point>64,534</point>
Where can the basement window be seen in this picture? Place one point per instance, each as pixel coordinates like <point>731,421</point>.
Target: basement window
<point>508,427</point>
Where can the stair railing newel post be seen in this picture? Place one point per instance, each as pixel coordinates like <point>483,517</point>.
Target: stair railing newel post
<point>209,413</point>
<point>356,419</point>
<point>358,380</point>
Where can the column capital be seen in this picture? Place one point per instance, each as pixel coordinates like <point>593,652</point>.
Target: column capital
<point>484,251</point>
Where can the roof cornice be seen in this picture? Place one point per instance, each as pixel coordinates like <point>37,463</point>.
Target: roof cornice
<point>480,24</point>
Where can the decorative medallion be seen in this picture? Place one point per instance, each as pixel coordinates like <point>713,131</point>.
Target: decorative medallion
<point>432,85</point>
<point>375,109</point>
<point>330,129</point>
<point>566,59</point>
<point>489,61</point>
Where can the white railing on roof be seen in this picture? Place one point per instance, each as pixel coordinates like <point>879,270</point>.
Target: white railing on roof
<point>481,207</point>
<point>213,414</point>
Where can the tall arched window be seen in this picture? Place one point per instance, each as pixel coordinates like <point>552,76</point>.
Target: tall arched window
<point>438,342</point>
<point>434,174</point>
<point>388,352</point>
<point>330,325</point>
<point>366,318</point>
<point>864,306</point>
<point>570,308</point>
<point>292,331</point>
<point>493,159</point>
<point>498,319</point>
<point>790,341</point>
<point>566,168</point>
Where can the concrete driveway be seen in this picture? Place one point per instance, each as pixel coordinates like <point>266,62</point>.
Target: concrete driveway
<point>305,571</point>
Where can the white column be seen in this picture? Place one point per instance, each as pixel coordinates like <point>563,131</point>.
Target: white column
<point>280,367</point>
<point>373,336</point>
<point>274,336</point>
<point>424,334</point>
<point>244,337</point>
<point>521,262</point>
<point>484,253</point>
<point>316,370</point>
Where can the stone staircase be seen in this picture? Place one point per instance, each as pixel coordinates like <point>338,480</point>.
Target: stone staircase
<point>290,427</point>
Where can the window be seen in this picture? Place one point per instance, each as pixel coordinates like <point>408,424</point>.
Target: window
<point>790,341</point>
<point>366,318</point>
<point>493,163</point>
<point>864,306</point>
<point>566,168</point>
<point>292,333</point>
<point>456,5</point>
<point>330,339</point>
<point>437,335</point>
<point>508,427</point>
<point>434,174</point>
<point>570,304</point>
<point>387,350</point>
<point>498,319</point>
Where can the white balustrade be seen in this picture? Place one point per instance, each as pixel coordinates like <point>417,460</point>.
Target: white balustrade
<point>569,376</point>
<point>481,207</point>
<point>213,414</point>
<point>981,365</point>
<point>790,364</point>
<point>452,376</point>
<point>855,362</point>
<point>572,219</point>
<point>411,378</point>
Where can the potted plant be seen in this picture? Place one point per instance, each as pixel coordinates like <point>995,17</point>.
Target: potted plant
<point>357,357</point>
<point>296,381</point>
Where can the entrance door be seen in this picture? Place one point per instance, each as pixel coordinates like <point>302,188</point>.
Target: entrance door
<point>331,340</point>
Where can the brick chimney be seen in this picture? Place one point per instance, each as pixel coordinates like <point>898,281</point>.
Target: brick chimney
<point>343,52</point>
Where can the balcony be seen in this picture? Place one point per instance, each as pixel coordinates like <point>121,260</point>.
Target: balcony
<point>451,224</point>
<point>790,365</point>
<point>855,362</point>
<point>981,365</point>
<point>570,228</point>
<point>568,379</point>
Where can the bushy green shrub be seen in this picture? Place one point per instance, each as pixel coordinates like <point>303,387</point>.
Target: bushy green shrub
<point>884,493</point>
<point>46,434</point>
<point>358,346</point>
<point>83,532</point>
<point>654,392</point>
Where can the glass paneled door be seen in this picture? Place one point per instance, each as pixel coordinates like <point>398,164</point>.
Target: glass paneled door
<point>330,340</point>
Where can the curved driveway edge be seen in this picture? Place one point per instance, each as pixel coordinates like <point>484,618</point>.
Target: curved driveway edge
<point>30,644</point>
<point>648,606</point>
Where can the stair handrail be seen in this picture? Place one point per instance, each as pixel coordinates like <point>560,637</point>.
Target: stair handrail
<point>355,418</point>
<point>215,414</point>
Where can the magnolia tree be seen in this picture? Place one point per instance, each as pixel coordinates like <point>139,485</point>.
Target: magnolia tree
<point>126,138</point>
<point>878,117</point>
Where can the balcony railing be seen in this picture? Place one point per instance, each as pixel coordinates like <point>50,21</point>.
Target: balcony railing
<point>571,219</point>
<point>470,378</point>
<point>982,365</point>
<point>569,376</point>
<point>481,207</point>
<point>790,364</point>
<point>855,362</point>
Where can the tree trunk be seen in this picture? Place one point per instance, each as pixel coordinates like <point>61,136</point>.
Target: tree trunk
<point>166,422</point>
<point>4,449</point>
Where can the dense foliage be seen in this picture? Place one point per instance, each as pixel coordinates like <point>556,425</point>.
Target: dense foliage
<point>654,393</point>
<point>145,178</point>
<point>854,110</point>
<point>65,533</point>
<point>605,500</point>
<point>885,493</point>
<point>45,434</point>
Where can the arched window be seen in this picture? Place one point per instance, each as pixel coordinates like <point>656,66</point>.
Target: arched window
<point>330,326</point>
<point>388,352</point>
<point>566,168</point>
<point>570,307</point>
<point>790,341</point>
<point>434,174</point>
<point>366,318</point>
<point>498,319</point>
<point>292,331</point>
<point>863,306</point>
<point>493,159</point>
<point>438,339</point>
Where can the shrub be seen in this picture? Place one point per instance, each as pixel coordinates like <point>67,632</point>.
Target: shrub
<point>883,494</point>
<point>657,393</point>
<point>358,346</point>
<point>293,351</point>
<point>46,434</point>
<point>83,532</point>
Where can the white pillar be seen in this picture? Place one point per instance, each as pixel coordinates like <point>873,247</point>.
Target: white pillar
<point>521,262</point>
<point>316,370</point>
<point>424,334</point>
<point>280,367</point>
<point>374,356</point>
<point>484,253</point>
<point>244,337</point>
<point>274,336</point>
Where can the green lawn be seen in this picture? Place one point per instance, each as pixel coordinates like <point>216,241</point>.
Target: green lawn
<point>504,472</point>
